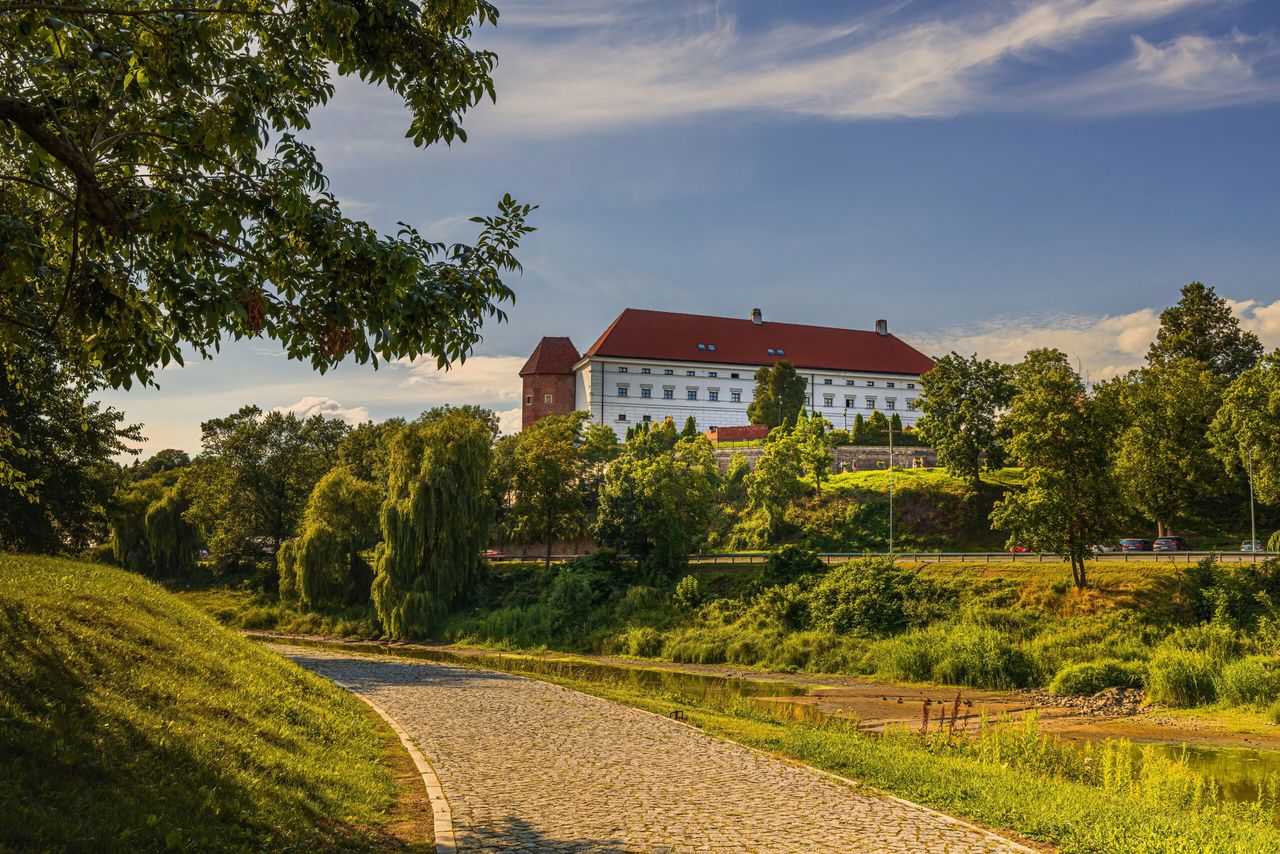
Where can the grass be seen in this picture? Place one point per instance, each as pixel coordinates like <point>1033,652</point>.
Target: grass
<point>131,721</point>
<point>877,480</point>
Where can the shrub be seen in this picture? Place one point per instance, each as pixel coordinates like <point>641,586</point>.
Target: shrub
<point>1273,544</point>
<point>1090,677</point>
<point>1181,677</point>
<point>1250,681</point>
<point>698,646</point>
<point>872,595</point>
<point>1235,594</point>
<point>688,593</point>
<point>982,657</point>
<point>790,564</point>
<point>786,607</point>
<point>1273,712</point>
<point>639,600</point>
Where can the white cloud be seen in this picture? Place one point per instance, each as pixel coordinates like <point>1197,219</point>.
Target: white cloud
<point>488,379</point>
<point>1103,346</point>
<point>327,407</point>
<point>609,67</point>
<point>509,420</point>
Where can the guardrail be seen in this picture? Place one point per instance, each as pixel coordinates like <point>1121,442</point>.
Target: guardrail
<point>948,557</point>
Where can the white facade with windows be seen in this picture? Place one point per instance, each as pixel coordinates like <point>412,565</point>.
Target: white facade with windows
<point>622,392</point>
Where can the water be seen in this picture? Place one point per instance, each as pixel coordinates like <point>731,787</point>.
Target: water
<point>1237,771</point>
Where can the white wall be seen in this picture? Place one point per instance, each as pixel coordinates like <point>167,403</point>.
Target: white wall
<point>602,375</point>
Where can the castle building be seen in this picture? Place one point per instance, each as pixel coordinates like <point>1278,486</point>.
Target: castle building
<point>652,365</point>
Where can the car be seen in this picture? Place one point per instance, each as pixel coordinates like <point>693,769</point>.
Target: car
<point>491,554</point>
<point>1251,546</point>
<point>1103,548</point>
<point>1135,544</point>
<point>1019,550</point>
<point>1170,544</point>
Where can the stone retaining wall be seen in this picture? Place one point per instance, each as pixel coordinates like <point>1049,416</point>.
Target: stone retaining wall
<point>850,457</point>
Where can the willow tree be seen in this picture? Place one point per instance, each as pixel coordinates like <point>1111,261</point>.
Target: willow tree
<point>172,541</point>
<point>323,566</point>
<point>435,521</point>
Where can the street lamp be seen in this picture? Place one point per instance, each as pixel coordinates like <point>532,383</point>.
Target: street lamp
<point>1253,523</point>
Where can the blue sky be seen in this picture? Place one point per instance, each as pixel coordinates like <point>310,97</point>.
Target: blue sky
<point>989,175</point>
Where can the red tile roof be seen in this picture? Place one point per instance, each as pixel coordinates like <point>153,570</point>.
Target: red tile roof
<point>665,335</point>
<point>552,356</point>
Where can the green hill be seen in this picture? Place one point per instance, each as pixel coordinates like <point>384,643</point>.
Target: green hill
<point>131,721</point>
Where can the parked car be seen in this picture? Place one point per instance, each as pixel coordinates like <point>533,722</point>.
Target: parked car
<point>1251,546</point>
<point>1019,549</point>
<point>1134,544</point>
<point>1103,548</point>
<point>1170,544</point>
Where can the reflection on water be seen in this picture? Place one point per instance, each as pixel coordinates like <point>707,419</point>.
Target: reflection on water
<point>1238,771</point>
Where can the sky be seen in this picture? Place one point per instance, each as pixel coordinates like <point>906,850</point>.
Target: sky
<point>988,175</point>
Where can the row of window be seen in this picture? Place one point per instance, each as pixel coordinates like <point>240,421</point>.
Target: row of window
<point>546,398</point>
<point>623,369</point>
<point>646,392</point>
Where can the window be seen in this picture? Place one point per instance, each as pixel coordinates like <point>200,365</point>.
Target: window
<point>735,396</point>
<point>713,395</point>
<point>646,392</point>
<point>712,374</point>
<point>528,400</point>
<point>711,347</point>
<point>772,352</point>
<point>622,391</point>
<point>622,369</point>
<point>828,381</point>
<point>644,370</point>
<point>646,418</point>
<point>850,402</point>
<point>692,394</point>
<point>548,399</point>
<point>871,403</point>
<point>850,382</point>
<point>690,373</point>
<point>889,402</point>
<point>828,400</point>
<point>911,404</point>
<point>622,416</point>
<point>733,376</point>
<point>871,383</point>
<point>808,400</point>
<point>781,352</point>
<point>911,385</point>
<point>702,346</point>
<point>668,371</point>
<point>888,385</point>
<point>668,394</point>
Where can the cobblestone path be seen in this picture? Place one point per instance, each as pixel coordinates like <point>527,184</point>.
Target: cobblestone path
<point>530,766</point>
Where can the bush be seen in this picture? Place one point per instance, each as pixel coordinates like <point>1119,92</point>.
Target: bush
<point>688,593</point>
<point>643,642</point>
<point>790,564</point>
<point>1181,677</point>
<point>785,607</point>
<point>1273,712</point>
<point>1250,681</point>
<point>1090,677</point>
<point>638,601</point>
<point>873,595</point>
<point>956,654</point>
<point>1235,594</point>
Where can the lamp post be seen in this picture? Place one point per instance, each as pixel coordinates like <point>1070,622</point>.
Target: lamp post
<point>1253,523</point>
<point>891,487</point>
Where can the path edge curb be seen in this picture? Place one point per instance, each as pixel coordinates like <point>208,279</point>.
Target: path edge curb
<point>441,813</point>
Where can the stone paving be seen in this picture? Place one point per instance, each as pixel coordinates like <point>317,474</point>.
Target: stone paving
<point>532,767</point>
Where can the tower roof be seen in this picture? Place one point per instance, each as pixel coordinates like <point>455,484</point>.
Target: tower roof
<point>553,355</point>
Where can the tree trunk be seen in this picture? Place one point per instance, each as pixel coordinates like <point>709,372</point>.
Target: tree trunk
<point>550,528</point>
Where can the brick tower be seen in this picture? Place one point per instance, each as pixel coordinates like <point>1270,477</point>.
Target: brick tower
<point>548,380</point>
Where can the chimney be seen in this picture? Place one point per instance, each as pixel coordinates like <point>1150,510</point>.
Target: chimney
<point>882,327</point>
<point>757,316</point>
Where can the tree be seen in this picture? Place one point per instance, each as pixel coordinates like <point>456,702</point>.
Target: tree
<point>962,399</point>
<point>155,193</point>
<point>172,541</point>
<point>776,481</point>
<point>779,395</point>
<point>546,468</point>
<point>168,459</point>
<point>57,478</point>
<point>655,503</point>
<point>1201,327</point>
<point>1062,438</point>
<point>1247,423</point>
<point>435,521</point>
<point>814,445</point>
<point>1162,459</point>
<point>323,565</point>
<point>690,428</point>
<point>253,478</point>
<point>364,449</point>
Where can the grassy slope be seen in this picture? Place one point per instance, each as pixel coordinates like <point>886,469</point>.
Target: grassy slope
<point>129,720</point>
